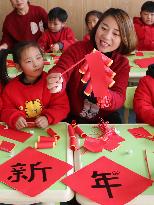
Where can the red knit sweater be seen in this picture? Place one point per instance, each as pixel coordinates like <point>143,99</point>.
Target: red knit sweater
<point>145,35</point>
<point>30,101</point>
<point>24,27</point>
<point>144,100</point>
<point>73,78</point>
<point>64,36</point>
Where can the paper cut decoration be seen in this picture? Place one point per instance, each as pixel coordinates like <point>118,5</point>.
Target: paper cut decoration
<point>20,136</point>
<point>140,132</point>
<point>32,175</point>
<point>6,146</point>
<point>45,145</point>
<point>10,63</point>
<point>78,130</point>
<point>94,144</point>
<point>73,139</point>
<point>139,53</point>
<point>97,76</point>
<point>107,182</point>
<point>109,143</point>
<point>31,124</point>
<point>144,62</point>
<point>53,134</point>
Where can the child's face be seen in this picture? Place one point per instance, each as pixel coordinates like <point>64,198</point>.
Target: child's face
<point>107,36</point>
<point>92,21</point>
<point>55,25</point>
<point>147,17</point>
<point>19,4</point>
<point>31,63</point>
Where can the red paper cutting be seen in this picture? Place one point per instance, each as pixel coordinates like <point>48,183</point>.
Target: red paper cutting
<point>98,76</point>
<point>32,175</point>
<point>20,136</point>
<point>6,146</point>
<point>107,182</point>
<point>140,132</point>
<point>144,62</point>
<point>94,144</point>
<point>139,53</point>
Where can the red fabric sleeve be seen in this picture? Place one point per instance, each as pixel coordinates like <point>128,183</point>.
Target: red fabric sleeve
<point>144,100</point>
<point>118,90</point>
<point>9,113</point>
<point>70,39</point>
<point>58,108</point>
<point>43,42</point>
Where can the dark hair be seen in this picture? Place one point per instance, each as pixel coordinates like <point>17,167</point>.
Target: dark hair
<point>148,6</point>
<point>58,13</point>
<point>16,53</point>
<point>126,29</point>
<point>92,13</point>
<point>150,70</point>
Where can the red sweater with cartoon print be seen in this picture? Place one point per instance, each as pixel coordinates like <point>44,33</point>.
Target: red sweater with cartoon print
<point>145,35</point>
<point>73,78</point>
<point>64,36</point>
<point>24,27</point>
<point>31,101</point>
<point>144,100</point>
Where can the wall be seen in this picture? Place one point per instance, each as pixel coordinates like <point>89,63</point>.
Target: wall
<point>77,10</point>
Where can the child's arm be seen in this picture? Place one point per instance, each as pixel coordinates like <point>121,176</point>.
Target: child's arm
<point>10,114</point>
<point>57,109</point>
<point>44,42</point>
<point>69,39</point>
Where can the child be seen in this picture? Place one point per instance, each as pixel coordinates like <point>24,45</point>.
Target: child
<point>58,37</point>
<point>144,98</point>
<point>91,20</point>
<point>26,97</point>
<point>144,27</point>
<point>25,22</point>
<point>114,36</point>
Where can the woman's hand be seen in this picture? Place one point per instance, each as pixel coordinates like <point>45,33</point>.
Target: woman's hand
<point>42,122</point>
<point>54,82</point>
<point>21,123</point>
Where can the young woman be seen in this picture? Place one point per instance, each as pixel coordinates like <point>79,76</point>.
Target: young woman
<point>114,36</point>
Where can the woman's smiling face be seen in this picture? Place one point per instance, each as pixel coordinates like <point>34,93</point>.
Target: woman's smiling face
<point>107,36</point>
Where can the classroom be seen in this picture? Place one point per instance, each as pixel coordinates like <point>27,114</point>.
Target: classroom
<point>77,102</point>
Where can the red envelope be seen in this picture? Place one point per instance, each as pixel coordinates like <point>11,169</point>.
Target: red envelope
<point>144,62</point>
<point>107,182</point>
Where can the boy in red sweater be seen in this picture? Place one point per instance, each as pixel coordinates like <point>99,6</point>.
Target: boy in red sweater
<point>25,22</point>
<point>144,26</point>
<point>91,20</point>
<point>26,98</point>
<point>58,37</point>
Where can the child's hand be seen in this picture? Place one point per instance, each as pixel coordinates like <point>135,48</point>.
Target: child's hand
<point>21,123</point>
<point>55,47</point>
<point>42,122</point>
<point>54,82</point>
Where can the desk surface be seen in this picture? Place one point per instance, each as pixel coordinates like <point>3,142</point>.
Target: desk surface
<point>134,161</point>
<point>135,70</point>
<point>58,191</point>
